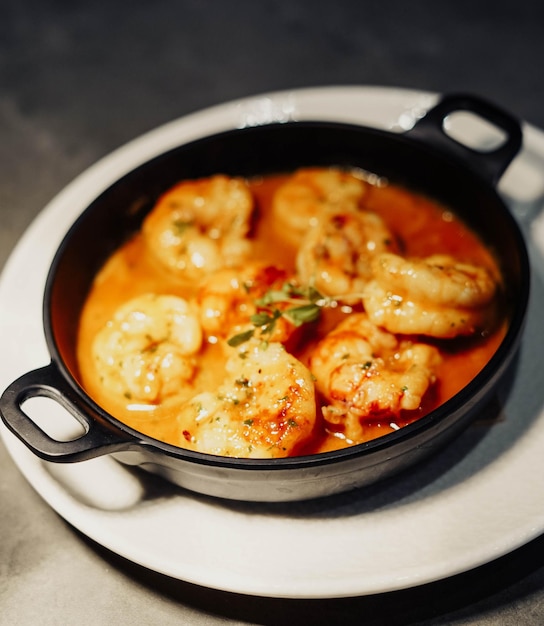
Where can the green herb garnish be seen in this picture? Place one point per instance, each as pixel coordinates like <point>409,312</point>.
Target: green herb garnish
<point>299,305</point>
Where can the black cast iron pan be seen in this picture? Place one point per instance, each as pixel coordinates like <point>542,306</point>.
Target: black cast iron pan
<point>424,159</point>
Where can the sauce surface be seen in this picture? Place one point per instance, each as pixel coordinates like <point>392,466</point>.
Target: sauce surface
<point>421,228</point>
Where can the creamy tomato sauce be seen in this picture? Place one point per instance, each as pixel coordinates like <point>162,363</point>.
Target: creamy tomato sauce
<point>422,228</point>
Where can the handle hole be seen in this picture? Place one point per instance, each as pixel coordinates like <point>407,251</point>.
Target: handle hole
<point>472,131</point>
<point>53,419</point>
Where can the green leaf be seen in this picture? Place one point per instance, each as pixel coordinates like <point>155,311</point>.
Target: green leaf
<point>314,295</point>
<point>303,314</point>
<point>261,319</point>
<point>311,302</point>
<point>241,338</point>
<point>270,297</point>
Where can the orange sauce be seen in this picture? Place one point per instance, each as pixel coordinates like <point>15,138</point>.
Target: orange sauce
<point>423,228</point>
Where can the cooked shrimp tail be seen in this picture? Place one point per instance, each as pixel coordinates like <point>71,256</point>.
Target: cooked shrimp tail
<point>264,408</point>
<point>232,303</point>
<point>335,256</point>
<point>312,192</point>
<point>200,226</point>
<point>146,352</point>
<point>365,372</point>
<point>436,296</point>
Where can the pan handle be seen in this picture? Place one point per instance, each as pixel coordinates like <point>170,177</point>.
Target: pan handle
<point>97,440</point>
<point>490,164</point>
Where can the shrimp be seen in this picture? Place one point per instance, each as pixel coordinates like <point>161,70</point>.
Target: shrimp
<point>335,255</point>
<point>309,193</point>
<point>229,298</point>
<point>364,372</point>
<point>146,352</point>
<point>435,296</point>
<point>201,225</point>
<point>264,408</point>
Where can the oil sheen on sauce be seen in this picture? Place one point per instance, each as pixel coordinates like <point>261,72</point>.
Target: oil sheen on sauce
<point>424,228</point>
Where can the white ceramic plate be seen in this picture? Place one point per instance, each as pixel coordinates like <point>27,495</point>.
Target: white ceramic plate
<point>479,500</point>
